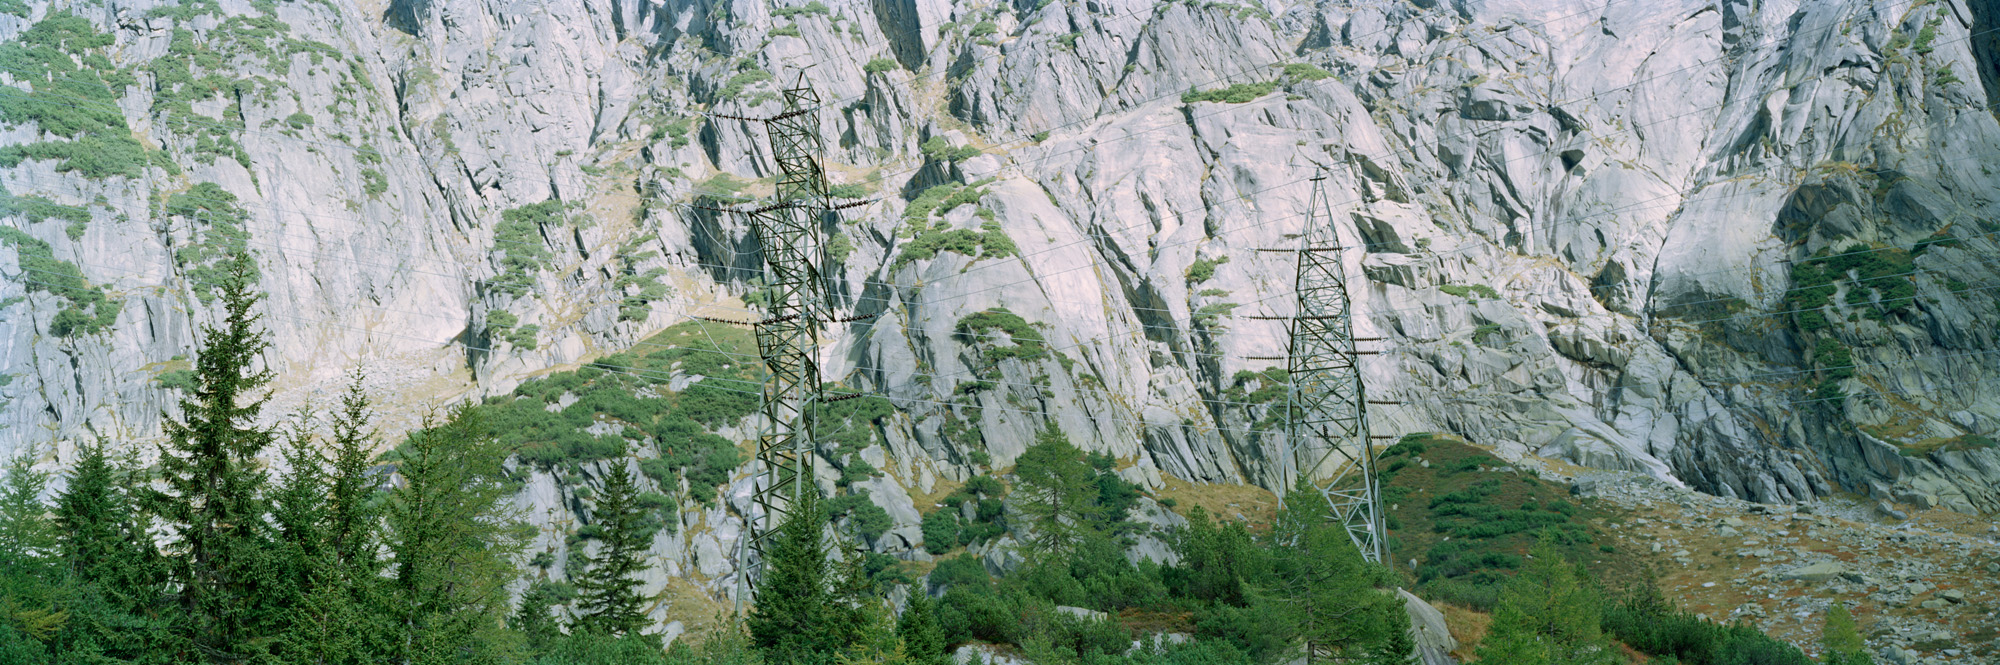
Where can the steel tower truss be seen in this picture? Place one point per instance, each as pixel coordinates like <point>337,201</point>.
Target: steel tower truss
<point>789,231</point>
<point>1328,420</point>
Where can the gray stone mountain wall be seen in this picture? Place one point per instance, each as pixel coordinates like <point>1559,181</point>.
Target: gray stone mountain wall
<point>1580,221</point>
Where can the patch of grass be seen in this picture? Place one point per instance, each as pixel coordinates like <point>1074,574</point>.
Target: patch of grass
<point>785,31</point>
<point>373,183</point>
<point>1300,71</point>
<point>520,240</point>
<point>744,79</point>
<point>940,150</point>
<point>1965,442</point>
<point>73,97</point>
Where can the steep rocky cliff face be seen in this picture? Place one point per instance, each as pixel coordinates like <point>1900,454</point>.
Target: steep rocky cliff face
<point>1745,246</point>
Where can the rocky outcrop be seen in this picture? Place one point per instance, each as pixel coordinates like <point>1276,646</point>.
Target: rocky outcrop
<point>1748,248</point>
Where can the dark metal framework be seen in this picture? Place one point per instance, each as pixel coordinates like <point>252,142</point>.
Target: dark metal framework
<point>1328,419</point>
<point>794,245</point>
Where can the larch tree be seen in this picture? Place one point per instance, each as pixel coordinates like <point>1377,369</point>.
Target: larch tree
<point>1056,490</point>
<point>452,541</point>
<point>1547,615</point>
<point>1341,608</point>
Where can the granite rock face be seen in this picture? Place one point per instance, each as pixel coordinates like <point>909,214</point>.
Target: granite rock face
<point>1745,247</point>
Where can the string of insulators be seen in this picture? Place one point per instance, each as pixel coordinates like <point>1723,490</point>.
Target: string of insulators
<point>1301,249</point>
<point>851,319</point>
<point>844,397</point>
<point>732,322</point>
<point>852,204</point>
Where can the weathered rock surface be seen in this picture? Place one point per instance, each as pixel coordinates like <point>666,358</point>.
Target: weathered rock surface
<point>1638,191</point>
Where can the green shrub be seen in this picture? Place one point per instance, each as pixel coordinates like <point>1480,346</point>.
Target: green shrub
<point>879,65</point>
<point>1471,291</point>
<point>1235,94</point>
<point>85,309</point>
<point>1027,344</point>
<point>785,31</point>
<point>815,7</point>
<point>734,88</point>
<point>298,121</point>
<point>1300,71</point>
<point>373,183</point>
<point>1203,270</point>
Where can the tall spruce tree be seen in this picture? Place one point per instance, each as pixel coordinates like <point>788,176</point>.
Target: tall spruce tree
<point>1057,491</point>
<point>923,638</point>
<point>1547,615</point>
<point>452,540</point>
<point>110,562</point>
<point>213,499</point>
<point>799,618</point>
<point>347,621</point>
<point>607,593</point>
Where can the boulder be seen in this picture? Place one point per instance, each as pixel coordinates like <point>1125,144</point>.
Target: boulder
<point>1816,572</point>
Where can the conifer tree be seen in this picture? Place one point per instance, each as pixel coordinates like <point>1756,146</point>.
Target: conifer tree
<point>110,561</point>
<point>608,595</point>
<point>1842,641</point>
<point>213,498</point>
<point>923,639</point>
<point>30,614</point>
<point>1336,604</point>
<point>347,607</point>
<point>534,619</point>
<point>1056,490</point>
<point>1547,615</point>
<point>798,618</point>
<point>452,542</point>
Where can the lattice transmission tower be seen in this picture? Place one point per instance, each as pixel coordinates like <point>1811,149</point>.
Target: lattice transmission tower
<point>1327,429</point>
<point>789,230</point>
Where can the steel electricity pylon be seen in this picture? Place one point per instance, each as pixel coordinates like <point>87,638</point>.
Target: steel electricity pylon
<point>1327,428</point>
<point>789,230</point>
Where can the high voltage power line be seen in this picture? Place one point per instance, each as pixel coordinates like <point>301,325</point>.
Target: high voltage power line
<point>1407,347</point>
<point>1108,395</point>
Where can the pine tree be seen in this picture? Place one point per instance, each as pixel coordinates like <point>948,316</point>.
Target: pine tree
<point>1056,491</point>
<point>923,639</point>
<point>1547,614</point>
<point>452,543</point>
<point>1842,640</point>
<point>798,618</point>
<point>213,499</point>
<point>110,560</point>
<point>609,596</point>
